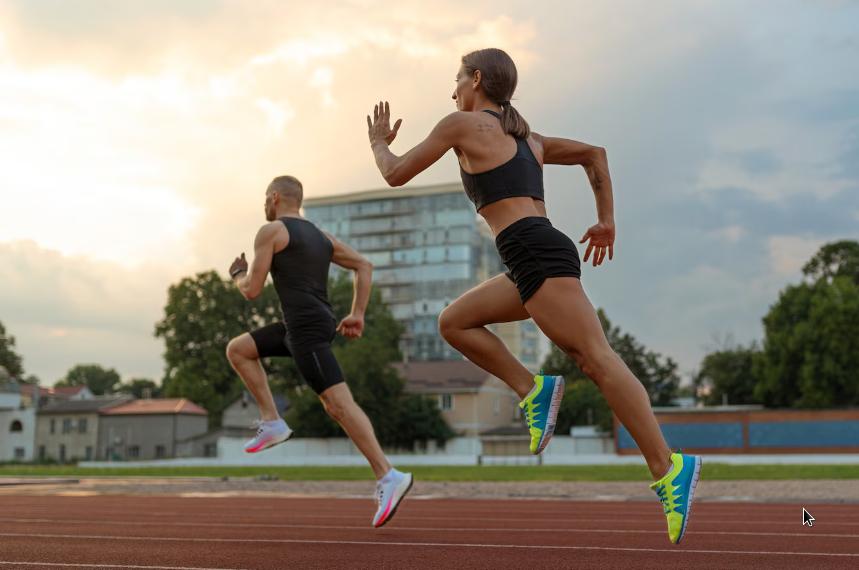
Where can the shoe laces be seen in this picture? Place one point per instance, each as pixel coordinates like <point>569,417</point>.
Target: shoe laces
<point>530,410</point>
<point>258,425</point>
<point>667,499</point>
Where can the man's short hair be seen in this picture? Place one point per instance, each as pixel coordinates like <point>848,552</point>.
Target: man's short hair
<point>288,187</point>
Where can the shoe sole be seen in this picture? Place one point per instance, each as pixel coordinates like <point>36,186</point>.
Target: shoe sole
<point>554,407</point>
<point>400,500</point>
<point>269,446</point>
<point>692,487</point>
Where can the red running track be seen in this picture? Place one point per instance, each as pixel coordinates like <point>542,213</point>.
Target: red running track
<point>161,532</point>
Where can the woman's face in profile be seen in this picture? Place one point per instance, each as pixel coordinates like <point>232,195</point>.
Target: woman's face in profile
<point>463,92</point>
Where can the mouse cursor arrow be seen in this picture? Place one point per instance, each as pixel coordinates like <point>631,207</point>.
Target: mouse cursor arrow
<point>807,519</point>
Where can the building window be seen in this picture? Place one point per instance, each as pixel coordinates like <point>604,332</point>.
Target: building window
<point>62,453</point>
<point>210,450</point>
<point>19,453</point>
<point>446,401</point>
<point>82,425</point>
<point>53,425</point>
<point>88,455</point>
<point>42,453</point>
<point>160,452</point>
<point>134,451</point>
<point>16,426</point>
<point>67,425</point>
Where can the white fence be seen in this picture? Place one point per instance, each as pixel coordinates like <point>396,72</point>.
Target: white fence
<point>564,450</point>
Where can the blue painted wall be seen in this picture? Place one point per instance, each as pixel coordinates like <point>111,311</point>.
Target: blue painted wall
<point>822,434</point>
<point>804,434</point>
<point>722,434</point>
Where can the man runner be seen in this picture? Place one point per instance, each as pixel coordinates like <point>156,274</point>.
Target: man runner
<point>298,256</point>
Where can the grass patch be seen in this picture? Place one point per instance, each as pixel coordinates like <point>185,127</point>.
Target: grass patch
<point>712,471</point>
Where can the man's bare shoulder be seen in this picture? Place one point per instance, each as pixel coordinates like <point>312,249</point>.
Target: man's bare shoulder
<point>271,230</point>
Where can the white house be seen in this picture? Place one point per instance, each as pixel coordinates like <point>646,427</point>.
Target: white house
<point>17,422</point>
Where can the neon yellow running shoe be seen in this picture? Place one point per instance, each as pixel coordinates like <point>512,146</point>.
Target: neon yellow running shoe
<point>541,409</point>
<point>676,490</point>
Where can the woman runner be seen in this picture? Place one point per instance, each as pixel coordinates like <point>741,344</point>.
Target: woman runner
<point>501,163</point>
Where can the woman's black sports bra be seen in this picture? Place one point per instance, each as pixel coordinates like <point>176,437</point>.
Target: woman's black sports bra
<point>522,175</point>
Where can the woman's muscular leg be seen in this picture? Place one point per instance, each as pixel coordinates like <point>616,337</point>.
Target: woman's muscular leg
<point>463,325</point>
<point>562,311</point>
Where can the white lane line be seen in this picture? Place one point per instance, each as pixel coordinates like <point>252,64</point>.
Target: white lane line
<point>426,544</point>
<point>807,534</point>
<point>69,565</point>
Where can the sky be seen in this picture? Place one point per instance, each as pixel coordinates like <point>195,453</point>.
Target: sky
<point>137,138</point>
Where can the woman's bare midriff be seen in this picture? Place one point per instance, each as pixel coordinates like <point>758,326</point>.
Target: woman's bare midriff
<point>504,212</point>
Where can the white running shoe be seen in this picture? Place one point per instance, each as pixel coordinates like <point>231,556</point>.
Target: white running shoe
<point>269,434</point>
<point>390,490</point>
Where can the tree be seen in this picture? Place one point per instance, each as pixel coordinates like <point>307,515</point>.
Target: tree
<point>583,403</point>
<point>786,333</point>
<point>9,359</point>
<point>811,336</point>
<point>830,370</point>
<point>728,375</point>
<point>840,258</point>
<point>418,419</point>
<point>141,388</point>
<point>98,379</point>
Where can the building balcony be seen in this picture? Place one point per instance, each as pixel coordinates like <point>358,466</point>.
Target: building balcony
<point>397,211</point>
<point>382,232</point>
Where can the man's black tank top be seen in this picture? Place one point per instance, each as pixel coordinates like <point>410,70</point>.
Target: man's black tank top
<point>300,274</point>
<point>522,175</point>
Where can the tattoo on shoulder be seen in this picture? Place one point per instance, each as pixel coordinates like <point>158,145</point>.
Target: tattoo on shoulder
<point>485,127</point>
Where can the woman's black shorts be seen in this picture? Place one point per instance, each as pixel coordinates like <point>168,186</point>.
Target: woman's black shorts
<point>533,251</point>
<point>317,364</point>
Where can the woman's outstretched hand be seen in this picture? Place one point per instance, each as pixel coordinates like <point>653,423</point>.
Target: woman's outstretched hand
<point>601,236</point>
<point>379,128</point>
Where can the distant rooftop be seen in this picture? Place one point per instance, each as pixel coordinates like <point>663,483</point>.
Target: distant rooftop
<point>83,406</point>
<point>157,406</point>
<point>60,392</point>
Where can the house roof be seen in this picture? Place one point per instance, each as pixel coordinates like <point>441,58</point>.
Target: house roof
<point>83,406</point>
<point>439,376</point>
<point>27,390</point>
<point>61,392</point>
<point>157,406</point>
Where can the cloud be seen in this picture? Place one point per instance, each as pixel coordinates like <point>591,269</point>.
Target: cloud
<point>277,113</point>
<point>731,234</point>
<point>138,140</point>
<point>67,310</point>
<point>789,253</point>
